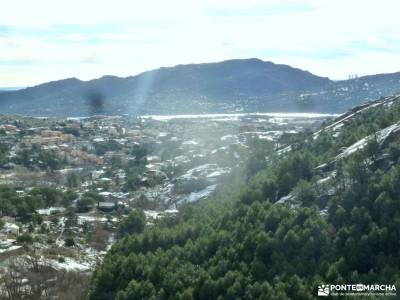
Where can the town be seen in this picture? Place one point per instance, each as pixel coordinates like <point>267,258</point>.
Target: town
<point>66,184</point>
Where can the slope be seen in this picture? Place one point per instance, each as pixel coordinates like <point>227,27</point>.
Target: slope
<point>165,90</point>
<point>312,216</point>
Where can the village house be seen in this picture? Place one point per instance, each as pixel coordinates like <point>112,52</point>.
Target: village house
<point>10,228</point>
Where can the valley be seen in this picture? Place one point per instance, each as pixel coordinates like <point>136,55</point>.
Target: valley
<point>67,185</point>
<point>321,208</point>
<point>199,150</point>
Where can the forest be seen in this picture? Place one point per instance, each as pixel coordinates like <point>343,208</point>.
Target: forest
<point>277,228</point>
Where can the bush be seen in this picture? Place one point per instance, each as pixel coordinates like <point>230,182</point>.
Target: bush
<point>69,242</point>
<point>24,238</point>
<point>134,223</point>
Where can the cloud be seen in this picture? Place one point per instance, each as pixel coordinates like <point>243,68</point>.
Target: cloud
<point>262,10</point>
<point>380,44</point>
<point>45,40</point>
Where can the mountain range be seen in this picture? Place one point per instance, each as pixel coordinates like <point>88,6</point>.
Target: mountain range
<point>246,85</point>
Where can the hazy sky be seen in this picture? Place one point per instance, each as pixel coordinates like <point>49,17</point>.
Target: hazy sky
<point>45,40</point>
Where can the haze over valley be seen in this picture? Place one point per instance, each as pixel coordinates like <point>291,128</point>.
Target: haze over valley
<point>199,150</point>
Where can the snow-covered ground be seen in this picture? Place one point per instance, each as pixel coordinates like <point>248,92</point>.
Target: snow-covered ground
<point>90,218</point>
<point>195,196</point>
<point>48,211</point>
<point>380,135</point>
<point>70,264</point>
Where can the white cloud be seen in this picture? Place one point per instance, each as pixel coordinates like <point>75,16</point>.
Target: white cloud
<point>45,40</point>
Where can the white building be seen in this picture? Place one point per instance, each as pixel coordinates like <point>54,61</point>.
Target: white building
<point>10,228</point>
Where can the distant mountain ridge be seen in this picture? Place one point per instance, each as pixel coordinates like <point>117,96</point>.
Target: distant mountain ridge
<point>7,89</point>
<point>247,85</point>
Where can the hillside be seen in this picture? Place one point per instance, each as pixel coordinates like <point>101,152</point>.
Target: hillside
<point>68,185</point>
<point>323,209</point>
<point>185,88</point>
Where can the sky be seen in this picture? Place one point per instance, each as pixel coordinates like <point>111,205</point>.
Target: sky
<point>46,40</point>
